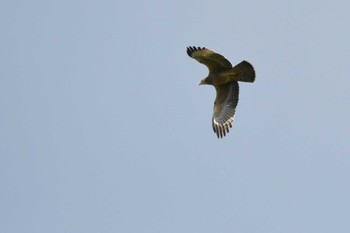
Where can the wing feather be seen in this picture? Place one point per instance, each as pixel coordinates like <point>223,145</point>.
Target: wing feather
<point>224,108</point>
<point>209,58</point>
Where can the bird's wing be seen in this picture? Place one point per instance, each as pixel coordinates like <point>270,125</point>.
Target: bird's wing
<point>224,108</point>
<point>209,58</point>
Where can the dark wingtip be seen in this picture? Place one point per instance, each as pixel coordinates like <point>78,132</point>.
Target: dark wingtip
<point>192,49</point>
<point>222,130</point>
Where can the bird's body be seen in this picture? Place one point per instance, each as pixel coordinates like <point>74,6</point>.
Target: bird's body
<point>225,79</point>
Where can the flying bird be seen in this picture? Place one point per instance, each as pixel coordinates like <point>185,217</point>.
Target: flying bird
<point>224,77</point>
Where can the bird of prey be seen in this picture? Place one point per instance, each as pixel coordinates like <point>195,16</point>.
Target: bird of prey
<point>224,77</point>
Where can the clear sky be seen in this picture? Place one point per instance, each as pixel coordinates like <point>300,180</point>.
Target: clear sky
<point>103,127</point>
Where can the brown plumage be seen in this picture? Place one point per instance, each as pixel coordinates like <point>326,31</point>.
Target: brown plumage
<point>225,79</point>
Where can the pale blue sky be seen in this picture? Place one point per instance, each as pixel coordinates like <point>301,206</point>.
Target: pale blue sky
<point>103,127</point>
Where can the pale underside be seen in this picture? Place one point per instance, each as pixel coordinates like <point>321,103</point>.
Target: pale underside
<point>224,108</point>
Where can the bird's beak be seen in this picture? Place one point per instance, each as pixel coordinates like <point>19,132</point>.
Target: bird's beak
<point>202,82</point>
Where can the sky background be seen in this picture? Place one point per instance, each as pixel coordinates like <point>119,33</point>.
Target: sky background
<point>103,127</point>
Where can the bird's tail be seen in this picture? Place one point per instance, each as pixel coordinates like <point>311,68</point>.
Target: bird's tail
<point>244,72</point>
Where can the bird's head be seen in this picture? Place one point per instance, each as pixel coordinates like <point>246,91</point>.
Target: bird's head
<point>205,81</point>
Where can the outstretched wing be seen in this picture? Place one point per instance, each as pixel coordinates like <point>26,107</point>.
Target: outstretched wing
<point>209,58</point>
<point>224,108</point>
